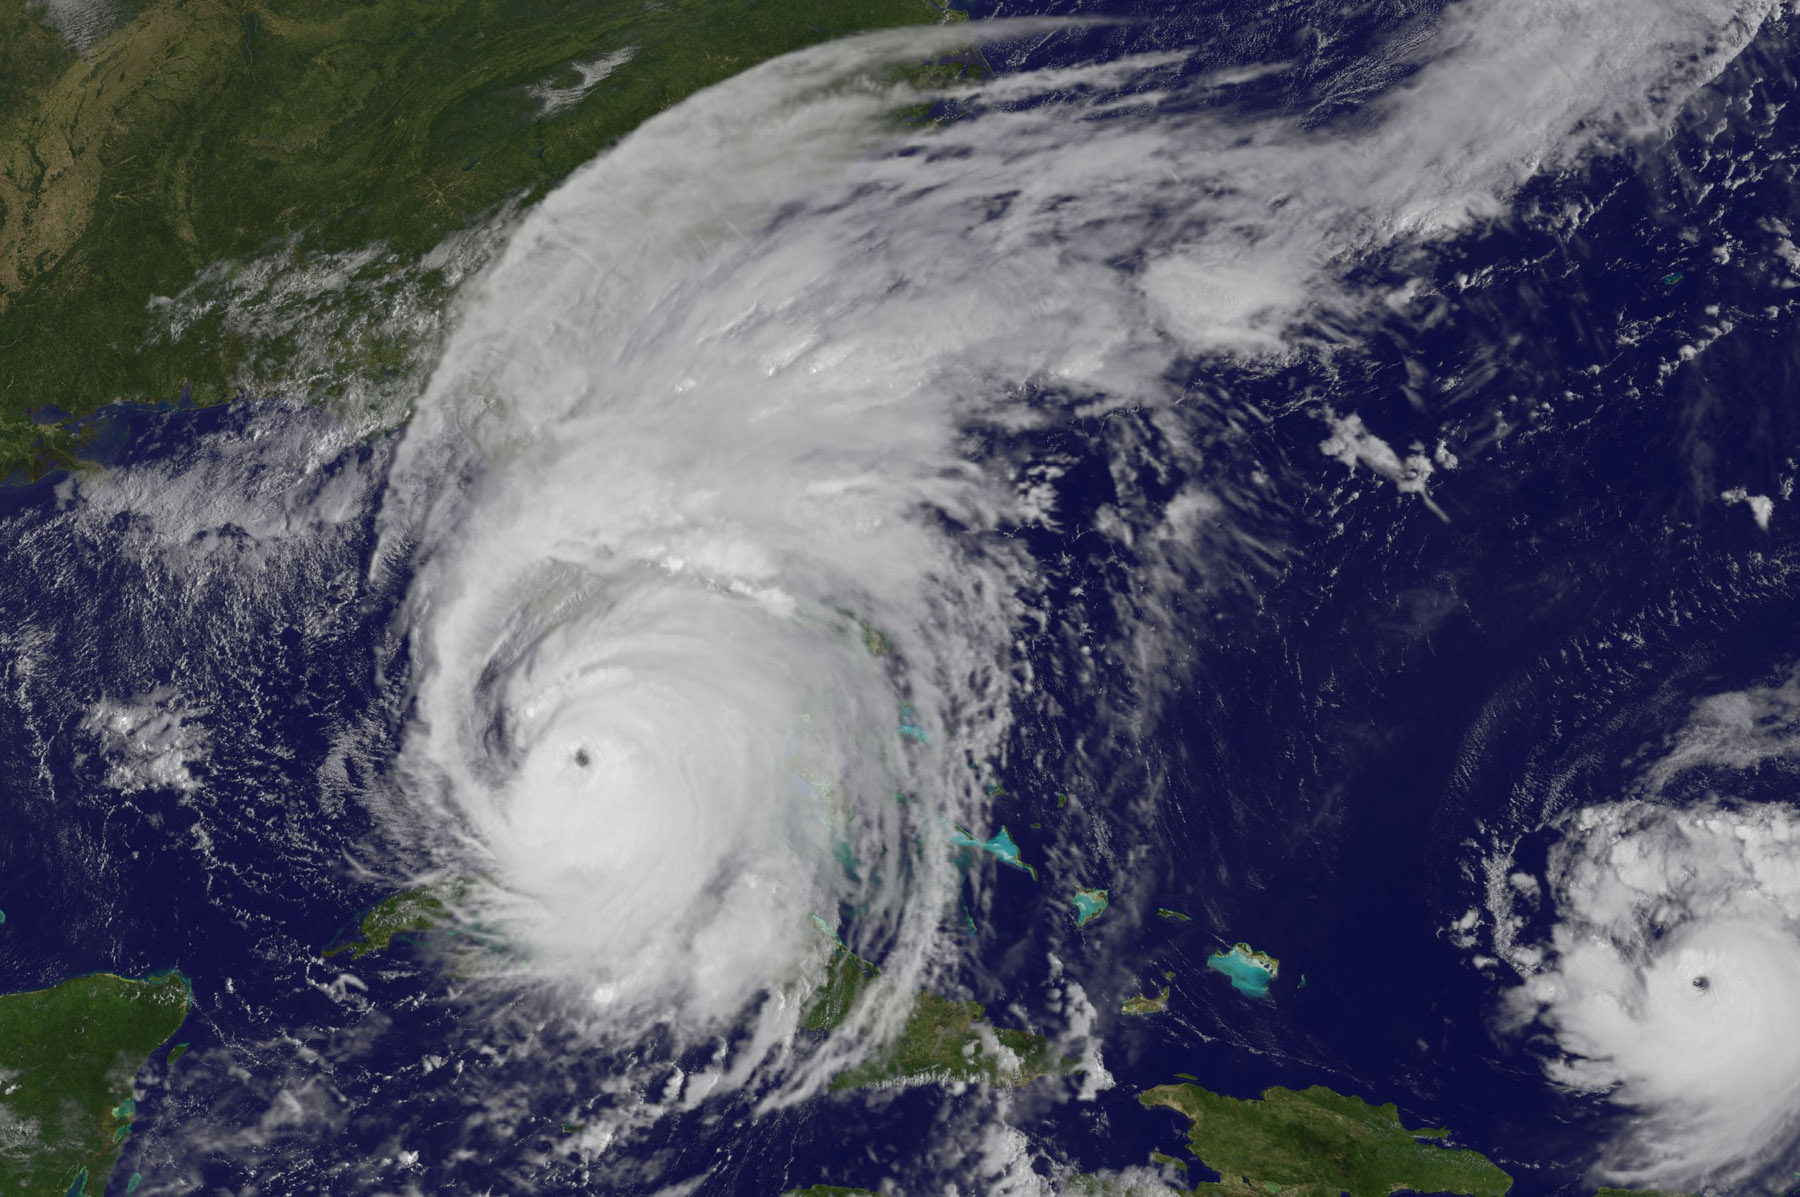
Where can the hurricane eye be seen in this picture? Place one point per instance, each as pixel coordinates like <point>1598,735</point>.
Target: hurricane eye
<point>582,758</point>
<point>1701,982</point>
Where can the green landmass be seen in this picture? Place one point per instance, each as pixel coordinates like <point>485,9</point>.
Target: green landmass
<point>67,1058</point>
<point>1167,1161</point>
<point>946,1040</point>
<point>1146,1005</point>
<point>1317,1143</point>
<point>943,1040</point>
<point>874,639</point>
<point>1135,1182</point>
<point>418,909</point>
<point>213,198</point>
<point>846,976</point>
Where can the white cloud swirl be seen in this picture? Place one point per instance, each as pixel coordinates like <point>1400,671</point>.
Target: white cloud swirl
<point>1672,982</point>
<point>712,397</point>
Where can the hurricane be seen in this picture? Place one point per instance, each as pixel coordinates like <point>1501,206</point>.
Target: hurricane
<point>1657,952</point>
<point>1668,983</point>
<point>714,488</point>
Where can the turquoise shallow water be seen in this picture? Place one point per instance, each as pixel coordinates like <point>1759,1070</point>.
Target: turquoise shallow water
<point>1248,975</point>
<point>1089,905</point>
<point>1001,845</point>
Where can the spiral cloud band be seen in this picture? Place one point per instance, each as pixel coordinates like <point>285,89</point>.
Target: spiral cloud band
<point>699,578</point>
<point>1674,984</point>
<point>716,526</point>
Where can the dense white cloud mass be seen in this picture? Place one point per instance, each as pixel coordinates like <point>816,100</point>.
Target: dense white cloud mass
<point>1739,729</point>
<point>1669,972</point>
<point>656,697</point>
<point>1673,982</point>
<point>149,740</point>
<point>709,405</point>
<point>82,22</point>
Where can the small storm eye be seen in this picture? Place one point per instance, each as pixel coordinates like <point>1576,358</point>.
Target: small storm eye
<point>581,757</point>
<point>1701,982</point>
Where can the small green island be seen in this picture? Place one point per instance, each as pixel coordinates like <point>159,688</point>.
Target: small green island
<point>67,1058</point>
<point>1249,970</point>
<point>1146,1005</point>
<point>943,1040</point>
<point>1318,1143</point>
